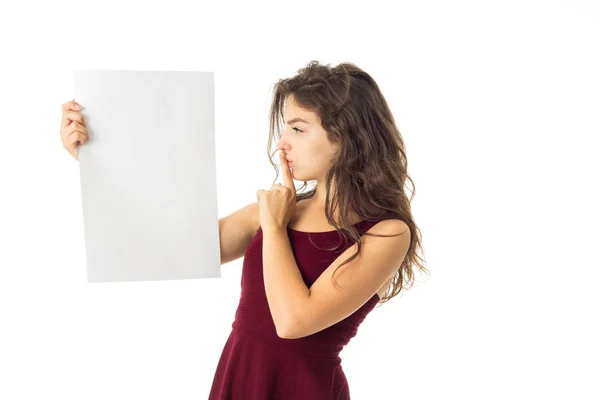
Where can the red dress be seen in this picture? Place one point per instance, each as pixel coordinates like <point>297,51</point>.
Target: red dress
<point>256,364</point>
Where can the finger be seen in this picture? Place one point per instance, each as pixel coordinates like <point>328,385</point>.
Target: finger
<point>288,181</point>
<point>75,135</point>
<point>260,193</point>
<point>71,105</point>
<point>81,128</point>
<point>75,127</point>
<point>74,139</point>
<point>79,137</point>
<point>69,116</point>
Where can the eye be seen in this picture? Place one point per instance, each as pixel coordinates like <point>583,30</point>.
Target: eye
<point>296,129</point>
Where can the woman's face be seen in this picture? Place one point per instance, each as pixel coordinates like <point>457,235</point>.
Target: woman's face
<point>305,144</point>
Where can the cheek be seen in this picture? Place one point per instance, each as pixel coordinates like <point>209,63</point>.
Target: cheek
<point>323,156</point>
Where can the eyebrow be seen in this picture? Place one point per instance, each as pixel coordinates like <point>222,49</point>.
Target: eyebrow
<point>291,121</point>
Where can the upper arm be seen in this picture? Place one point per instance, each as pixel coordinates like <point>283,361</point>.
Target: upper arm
<point>236,231</point>
<point>357,281</point>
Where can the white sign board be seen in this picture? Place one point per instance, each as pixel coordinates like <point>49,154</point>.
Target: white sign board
<point>148,175</point>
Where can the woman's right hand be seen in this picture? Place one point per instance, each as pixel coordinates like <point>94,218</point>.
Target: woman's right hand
<point>73,130</point>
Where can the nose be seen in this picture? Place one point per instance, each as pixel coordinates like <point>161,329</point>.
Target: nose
<point>282,147</point>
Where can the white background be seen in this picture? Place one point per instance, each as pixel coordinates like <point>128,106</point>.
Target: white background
<point>498,106</point>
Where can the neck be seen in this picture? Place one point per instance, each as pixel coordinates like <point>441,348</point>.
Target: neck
<point>318,199</point>
<point>317,202</point>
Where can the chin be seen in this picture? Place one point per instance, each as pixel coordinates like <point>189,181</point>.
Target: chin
<point>299,176</point>
<point>296,175</point>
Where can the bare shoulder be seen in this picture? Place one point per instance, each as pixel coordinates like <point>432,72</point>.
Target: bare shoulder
<point>396,245</point>
<point>389,227</point>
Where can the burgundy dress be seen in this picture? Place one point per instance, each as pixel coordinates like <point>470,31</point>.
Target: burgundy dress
<point>256,364</point>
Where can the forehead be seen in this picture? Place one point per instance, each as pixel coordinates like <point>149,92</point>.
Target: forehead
<point>293,113</point>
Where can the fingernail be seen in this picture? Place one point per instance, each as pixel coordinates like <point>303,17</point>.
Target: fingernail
<point>78,107</point>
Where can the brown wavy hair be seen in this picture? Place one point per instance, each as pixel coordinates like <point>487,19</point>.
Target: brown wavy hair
<point>356,116</point>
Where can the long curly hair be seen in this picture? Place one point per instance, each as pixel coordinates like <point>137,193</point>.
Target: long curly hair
<point>356,116</point>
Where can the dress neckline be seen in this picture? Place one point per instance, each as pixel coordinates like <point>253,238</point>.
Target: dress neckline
<point>322,232</point>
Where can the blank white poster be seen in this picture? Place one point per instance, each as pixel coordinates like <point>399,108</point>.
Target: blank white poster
<point>148,175</point>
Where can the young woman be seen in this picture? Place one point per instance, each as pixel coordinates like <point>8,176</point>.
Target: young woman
<point>296,310</point>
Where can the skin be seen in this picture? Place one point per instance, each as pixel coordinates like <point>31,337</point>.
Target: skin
<point>303,143</point>
<point>312,155</point>
<point>73,130</point>
<point>278,205</point>
<point>310,150</point>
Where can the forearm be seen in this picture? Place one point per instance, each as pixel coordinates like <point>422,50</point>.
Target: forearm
<point>285,289</point>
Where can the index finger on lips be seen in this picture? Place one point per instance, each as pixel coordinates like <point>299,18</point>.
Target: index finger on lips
<point>288,181</point>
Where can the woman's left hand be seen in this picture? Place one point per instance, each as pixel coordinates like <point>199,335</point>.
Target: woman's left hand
<point>278,205</point>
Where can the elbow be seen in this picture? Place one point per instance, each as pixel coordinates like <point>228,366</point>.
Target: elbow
<point>286,334</point>
<point>285,330</point>
<point>281,333</point>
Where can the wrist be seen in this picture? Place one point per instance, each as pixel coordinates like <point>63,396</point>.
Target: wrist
<point>274,230</point>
